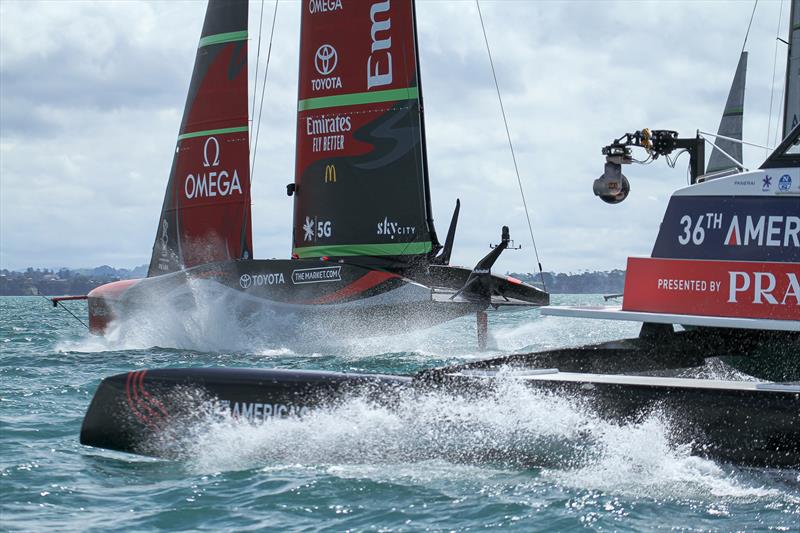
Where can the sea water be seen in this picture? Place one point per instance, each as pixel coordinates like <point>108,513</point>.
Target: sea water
<point>517,460</point>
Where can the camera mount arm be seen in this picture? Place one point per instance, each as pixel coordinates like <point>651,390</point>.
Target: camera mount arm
<point>657,143</point>
<point>613,187</point>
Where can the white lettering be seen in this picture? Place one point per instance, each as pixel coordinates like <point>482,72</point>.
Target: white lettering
<point>760,291</point>
<point>756,232</point>
<point>189,179</point>
<point>792,231</point>
<point>793,289</point>
<point>772,229</point>
<point>376,76</point>
<point>334,82</point>
<point>211,184</point>
<point>323,124</point>
<point>735,287</point>
<point>223,184</point>
<point>323,6</point>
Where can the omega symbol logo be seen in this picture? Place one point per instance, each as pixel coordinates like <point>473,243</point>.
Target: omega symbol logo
<point>208,162</point>
<point>326,59</point>
<point>164,237</point>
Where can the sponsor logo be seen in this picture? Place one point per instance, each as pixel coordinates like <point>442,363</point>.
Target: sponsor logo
<point>323,6</point>
<point>328,132</point>
<point>379,62</point>
<point>766,183</point>
<point>316,275</point>
<point>254,411</point>
<point>763,285</point>
<point>164,237</point>
<point>325,61</point>
<point>713,288</point>
<point>316,229</point>
<point>744,183</point>
<point>330,173</point>
<point>211,183</point>
<point>764,231</point>
<point>259,280</point>
<point>393,229</point>
<point>163,261</point>
<point>785,183</point>
<point>328,124</point>
<point>215,143</point>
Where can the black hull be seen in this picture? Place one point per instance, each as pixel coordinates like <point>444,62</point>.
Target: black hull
<point>143,412</point>
<point>307,296</point>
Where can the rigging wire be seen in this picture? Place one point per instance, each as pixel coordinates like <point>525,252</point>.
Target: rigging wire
<point>65,308</point>
<point>747,33</point>
<point>255,84</point>
<point>774,69</point>
<point>510,145</point>
<point>263,90</point>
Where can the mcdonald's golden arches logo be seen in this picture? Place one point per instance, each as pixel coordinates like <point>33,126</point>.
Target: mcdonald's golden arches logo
<point>330,174</point>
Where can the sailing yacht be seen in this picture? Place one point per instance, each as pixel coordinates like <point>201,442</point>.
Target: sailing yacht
<point>365,258</point>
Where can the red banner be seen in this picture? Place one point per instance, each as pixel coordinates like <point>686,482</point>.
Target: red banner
<point>741,289</point>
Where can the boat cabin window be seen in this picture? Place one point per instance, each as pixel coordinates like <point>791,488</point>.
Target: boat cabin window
<point>794,148</point>
<point>788,153</point>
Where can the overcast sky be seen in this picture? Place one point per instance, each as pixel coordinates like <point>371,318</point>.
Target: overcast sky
<point>91,96</point>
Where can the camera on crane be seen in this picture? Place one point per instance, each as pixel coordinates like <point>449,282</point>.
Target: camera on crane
<point>612,187</point>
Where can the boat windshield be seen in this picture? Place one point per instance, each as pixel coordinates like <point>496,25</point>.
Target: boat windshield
<point>794,148</point>
<point>787,154</point>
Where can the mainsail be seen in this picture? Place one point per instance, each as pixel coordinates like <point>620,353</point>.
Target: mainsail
<point>206,211</point>
<point>791,116</point>
<point>361,185</point>
<point>731,123</point>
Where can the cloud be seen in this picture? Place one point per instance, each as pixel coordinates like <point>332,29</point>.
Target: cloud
<point>91,95</point>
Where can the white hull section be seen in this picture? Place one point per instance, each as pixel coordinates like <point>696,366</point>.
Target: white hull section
<point>616,313</point>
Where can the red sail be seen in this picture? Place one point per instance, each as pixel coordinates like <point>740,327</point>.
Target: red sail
<point>361,184</point>
<point>206,212</point>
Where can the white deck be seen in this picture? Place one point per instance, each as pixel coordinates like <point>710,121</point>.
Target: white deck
<point>616,313</point>
<point>646,381</point>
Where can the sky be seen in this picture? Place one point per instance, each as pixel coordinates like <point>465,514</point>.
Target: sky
<point>92,92</point>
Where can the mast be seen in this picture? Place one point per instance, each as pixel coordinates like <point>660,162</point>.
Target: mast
<point>425,176</point>
<point>791,105</point>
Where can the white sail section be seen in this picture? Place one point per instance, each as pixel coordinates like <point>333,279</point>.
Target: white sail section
<point>731,123</point>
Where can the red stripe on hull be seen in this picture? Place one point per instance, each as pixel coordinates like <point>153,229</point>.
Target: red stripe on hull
<point>364,283</point>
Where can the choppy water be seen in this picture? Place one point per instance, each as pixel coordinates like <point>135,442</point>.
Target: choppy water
<point>424,466</point>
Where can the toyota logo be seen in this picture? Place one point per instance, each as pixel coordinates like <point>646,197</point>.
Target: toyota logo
<point>325,59</point>
<point>245,280</point>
